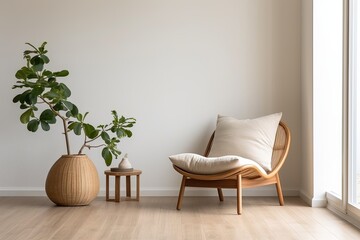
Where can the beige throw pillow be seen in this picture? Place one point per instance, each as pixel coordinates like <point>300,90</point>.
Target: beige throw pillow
<point>251,138</point>
<point>198,164</point>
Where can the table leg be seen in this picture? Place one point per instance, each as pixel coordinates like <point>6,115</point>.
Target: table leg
<point>117,188</point>
<point>128,186</point>
<point>137,187</point>
<point>107,187</point>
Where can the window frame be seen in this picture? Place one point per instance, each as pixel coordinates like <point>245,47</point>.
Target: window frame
<point>337,204</point>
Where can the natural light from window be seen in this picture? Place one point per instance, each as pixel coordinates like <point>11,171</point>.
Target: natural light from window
<point>328,40</point>
<point>354,105</point>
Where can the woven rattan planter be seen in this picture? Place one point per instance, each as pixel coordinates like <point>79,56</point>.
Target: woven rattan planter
<point>72,181</point>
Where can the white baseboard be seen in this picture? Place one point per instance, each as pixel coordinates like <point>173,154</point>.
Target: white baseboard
<point>212,192</point>
<point>305,197</point>
<point>313,202</point>
<point>159,192</point>
<point>22,192</point>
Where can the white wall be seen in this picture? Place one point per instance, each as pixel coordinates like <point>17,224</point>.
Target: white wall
<point>174,65</point>
<point>307,100</point>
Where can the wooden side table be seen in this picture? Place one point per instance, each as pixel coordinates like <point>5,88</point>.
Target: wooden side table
<point>117,176</point>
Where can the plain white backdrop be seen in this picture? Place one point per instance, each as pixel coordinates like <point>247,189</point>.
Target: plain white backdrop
<point>173,65</point>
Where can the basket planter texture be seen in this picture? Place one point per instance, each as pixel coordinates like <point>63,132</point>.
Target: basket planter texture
<point>72,181</point>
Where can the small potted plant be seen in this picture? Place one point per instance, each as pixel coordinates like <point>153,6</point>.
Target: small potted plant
<point>73,179</point>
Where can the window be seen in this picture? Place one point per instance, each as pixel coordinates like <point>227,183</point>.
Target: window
<point>354,105</point>
<point>347,204</point>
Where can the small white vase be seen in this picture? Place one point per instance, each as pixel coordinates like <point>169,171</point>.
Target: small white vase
<point>125,163</point>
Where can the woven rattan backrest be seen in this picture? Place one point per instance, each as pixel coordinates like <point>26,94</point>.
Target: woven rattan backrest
<point>281,145</point>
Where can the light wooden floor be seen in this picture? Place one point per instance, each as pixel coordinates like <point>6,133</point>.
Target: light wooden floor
<point>156,218</point>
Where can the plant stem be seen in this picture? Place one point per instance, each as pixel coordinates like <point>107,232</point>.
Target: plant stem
<point>82,147</point>
<point>66,135</point>
<point>88,146</point>
<point>64,125</point>
<point>97,146</point>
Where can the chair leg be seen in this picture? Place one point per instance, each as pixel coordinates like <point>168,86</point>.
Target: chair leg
<point>239,195</point>
<point>279,191</point>
<point>181,193</point>
<point>220,193</point>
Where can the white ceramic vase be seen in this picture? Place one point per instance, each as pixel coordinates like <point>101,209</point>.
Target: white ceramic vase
<point>125,163</point>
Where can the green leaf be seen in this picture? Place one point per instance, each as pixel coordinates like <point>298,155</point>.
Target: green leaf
<point>24,96</point>
<point>24,106</point>
<point>85,115</point>
<point>94,134</point>
<point>36,92</point>
<point>77,129</point>
<point>51,95</point>
<point>48,116</point>
<point>42,47</point>
<point>68,105</point>
<point>37,60</point>
<point>115,152</point>
<point>27,70</point>
<point>26,52</point>
<point>38,63</point>
<point>66,90</point>
<point>115,115</point>
<point>52,121</point>
<point>88,129</point>
<point>105,136</point>
<point>17,98</point>
<point>79,117</point>
<point>38,67</point>
<point>28,99</point>
<point>120,133</point>
<point>25,117</point>
<point>74,111</point>
<point>36,50</point>
<point>47,73</point>
<point>32,98</point>
<point>33,125</point>
<point>20,75</point>
<point>45,126</point>
<point>122,119</point>
<point>72,125</point>
<point>62,73</point>
<point>24,73</point>
<point>128,133</point>
<point>45,58</point>
<point>32,76</point>
<point>59,107</point>
<point>105,153</point>
<point>113,129</point>
<point>52,80</point>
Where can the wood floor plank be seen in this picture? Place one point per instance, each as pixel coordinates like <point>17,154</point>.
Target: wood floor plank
<point>157,218</point>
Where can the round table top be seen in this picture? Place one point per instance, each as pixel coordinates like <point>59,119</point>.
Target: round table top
<point>124,173</point>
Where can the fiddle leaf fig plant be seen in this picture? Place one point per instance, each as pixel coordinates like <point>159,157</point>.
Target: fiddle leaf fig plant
<point>45,100</point>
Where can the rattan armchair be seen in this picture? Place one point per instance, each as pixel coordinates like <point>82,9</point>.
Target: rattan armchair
<point>243,177</point>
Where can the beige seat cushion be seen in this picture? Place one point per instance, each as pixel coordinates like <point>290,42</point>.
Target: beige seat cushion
<point>198,164</point>
<point>250,138</point>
